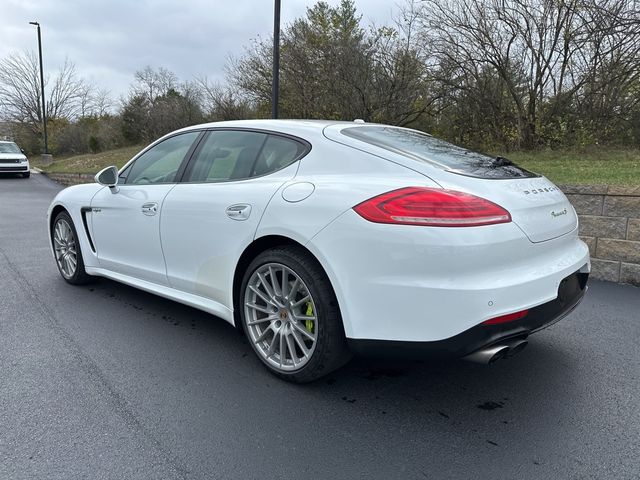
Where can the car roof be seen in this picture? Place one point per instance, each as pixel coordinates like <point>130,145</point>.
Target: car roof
<point>290,126</point>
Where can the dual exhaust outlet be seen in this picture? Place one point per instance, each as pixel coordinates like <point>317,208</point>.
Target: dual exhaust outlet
<point>497,352</point>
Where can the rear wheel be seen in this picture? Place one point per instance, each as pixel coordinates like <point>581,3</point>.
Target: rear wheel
<point>67,250</point>
<point>290,315</point>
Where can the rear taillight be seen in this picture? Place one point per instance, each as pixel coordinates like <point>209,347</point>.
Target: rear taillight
<point>511,317</point>
<point>432,207</point>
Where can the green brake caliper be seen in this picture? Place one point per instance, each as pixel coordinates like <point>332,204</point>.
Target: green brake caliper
<point>309,323</point>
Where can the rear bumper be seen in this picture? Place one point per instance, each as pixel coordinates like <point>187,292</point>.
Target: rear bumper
<point>570,293</point>
<point>413,284</point>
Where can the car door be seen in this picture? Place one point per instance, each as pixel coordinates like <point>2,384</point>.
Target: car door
<point>125,220</point>
<point>212,215</point>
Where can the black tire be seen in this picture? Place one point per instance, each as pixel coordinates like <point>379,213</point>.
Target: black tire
<point>26,175</point>
<point>331,350</point>
<point>80,276</point>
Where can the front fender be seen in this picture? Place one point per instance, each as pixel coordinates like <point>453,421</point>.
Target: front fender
<point>73,199</point>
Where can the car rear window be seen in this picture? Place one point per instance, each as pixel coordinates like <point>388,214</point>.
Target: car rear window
<point>428,149</point>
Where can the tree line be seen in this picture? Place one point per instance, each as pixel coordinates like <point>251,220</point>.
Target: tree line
<point>490,74</point>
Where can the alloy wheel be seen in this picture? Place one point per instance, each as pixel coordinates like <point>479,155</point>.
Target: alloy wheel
<point>281,317</point>
<point>64,244</point>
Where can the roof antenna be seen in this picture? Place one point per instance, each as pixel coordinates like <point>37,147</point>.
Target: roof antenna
<point>358,120</point>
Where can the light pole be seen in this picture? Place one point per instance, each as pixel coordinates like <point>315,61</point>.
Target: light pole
<point>275,86</point>
<point>44,107</point>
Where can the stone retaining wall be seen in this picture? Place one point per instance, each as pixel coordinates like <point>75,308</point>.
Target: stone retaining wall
<point>610,226</point>
<point>68,179</point>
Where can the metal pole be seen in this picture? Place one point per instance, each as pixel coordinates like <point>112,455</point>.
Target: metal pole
<point>275,87</point>
<point>44,105</point>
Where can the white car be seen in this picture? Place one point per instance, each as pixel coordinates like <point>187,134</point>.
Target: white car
<point>321,238</point>
<point>13,159</point>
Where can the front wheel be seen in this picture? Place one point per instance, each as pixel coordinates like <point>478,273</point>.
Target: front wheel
<point>290,315</point>
<point>26,174</point>
<point>67,250</point>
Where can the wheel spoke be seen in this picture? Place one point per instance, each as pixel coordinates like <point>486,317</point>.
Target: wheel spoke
<point>267,287</point>
<point>259,308</point>
<point>300,341</point>
<point>274,282</point>
<point>292,349</point>
<point>305,317</point>
<point>263,335</point>
<point>63,230</point>
<point>272,347</point>
<point>304,331</point>
<point>67,268</point>
<point>261,295</point>
<point>283,349</point>
<point>270,318</point>
<point>305,299</point>
<point>293,289</point>
<point>58,231</point>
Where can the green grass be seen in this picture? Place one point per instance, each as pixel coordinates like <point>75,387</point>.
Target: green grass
<point>595,166</point>
<point>601,166</point>
<point>90,162</point>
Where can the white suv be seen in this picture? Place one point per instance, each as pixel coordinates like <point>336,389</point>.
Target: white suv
<point>13,160</point>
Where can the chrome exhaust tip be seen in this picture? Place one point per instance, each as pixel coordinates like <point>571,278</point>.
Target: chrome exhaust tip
<point>497,352</point>
<point>517,347</point>
<point>488,355</point>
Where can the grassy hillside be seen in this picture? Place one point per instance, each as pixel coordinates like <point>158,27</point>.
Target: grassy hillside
<point>90,162</point>
<point>601,166</point>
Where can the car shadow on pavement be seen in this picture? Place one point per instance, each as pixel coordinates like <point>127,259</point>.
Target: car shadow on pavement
<point>448,391</point>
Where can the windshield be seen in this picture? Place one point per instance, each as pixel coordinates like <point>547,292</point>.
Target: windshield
<point>9,147</point>
<point>425,148</point>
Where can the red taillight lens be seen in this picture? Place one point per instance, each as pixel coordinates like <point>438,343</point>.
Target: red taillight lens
<point>506,318</point>
<point>432,207</point>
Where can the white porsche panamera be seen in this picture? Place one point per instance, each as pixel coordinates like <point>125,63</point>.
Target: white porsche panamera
<point>322,238</point>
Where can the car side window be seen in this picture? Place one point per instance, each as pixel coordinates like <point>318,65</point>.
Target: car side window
<point>122,176</point>
<point>278,152</point>
<point>160,164</point>
<point>236,155</point>
<point>226,155</point>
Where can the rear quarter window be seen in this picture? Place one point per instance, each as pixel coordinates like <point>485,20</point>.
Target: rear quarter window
<point>425,148</point>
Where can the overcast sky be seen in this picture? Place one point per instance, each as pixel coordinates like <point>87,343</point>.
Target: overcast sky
<point>108,40</point>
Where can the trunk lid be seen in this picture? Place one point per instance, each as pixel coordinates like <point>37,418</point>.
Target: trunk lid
<point>537,206</point>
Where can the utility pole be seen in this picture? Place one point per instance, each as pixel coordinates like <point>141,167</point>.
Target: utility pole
<point>44,105</point>
<point>275,86</point>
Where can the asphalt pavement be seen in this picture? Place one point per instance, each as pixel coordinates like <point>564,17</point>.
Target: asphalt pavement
<point>106,381</point>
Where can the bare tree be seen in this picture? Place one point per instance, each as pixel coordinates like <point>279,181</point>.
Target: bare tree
<point>223,102</point>
<point>529,44</point>
<point>152,83</point>
<point>20,90</point>
<point>93,102</point>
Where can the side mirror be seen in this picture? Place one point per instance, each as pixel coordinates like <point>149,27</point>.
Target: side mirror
<point>108,177</point>
<point>23,152</point>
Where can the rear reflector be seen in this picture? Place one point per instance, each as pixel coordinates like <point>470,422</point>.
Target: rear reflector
<point>506,318</point>
<point>431,207</point>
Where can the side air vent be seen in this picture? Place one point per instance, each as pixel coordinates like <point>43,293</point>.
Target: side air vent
<point>83,213</point>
